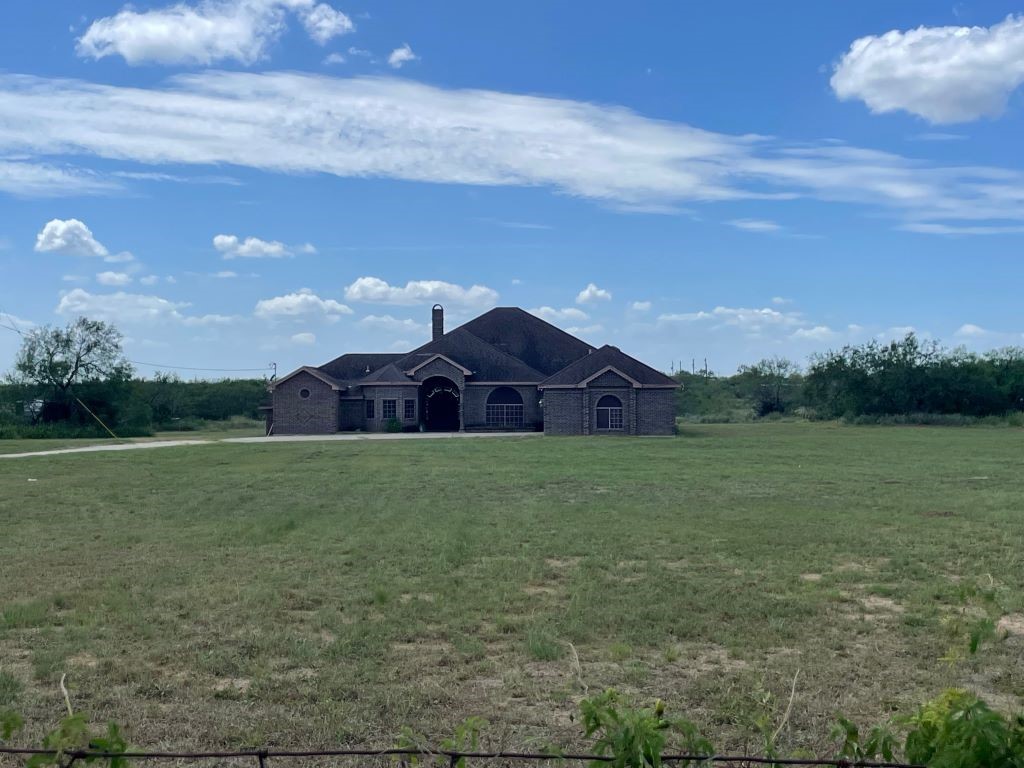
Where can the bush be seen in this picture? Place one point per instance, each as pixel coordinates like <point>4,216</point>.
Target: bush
<point>393,425</point>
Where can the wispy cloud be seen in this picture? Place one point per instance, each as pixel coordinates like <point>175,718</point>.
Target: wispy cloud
<point>755,225</point>
<point>384,127</point>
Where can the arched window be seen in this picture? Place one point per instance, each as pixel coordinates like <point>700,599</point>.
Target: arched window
<point>609,413</point>
<point>504,409</point>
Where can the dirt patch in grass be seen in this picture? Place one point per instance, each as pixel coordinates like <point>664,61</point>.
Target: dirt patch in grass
<point>1012,624</point>
<point>878,604</point>
<point>810,577</point>
<point>233,685</point>
<point>539,589</point>
<point>562,562</point>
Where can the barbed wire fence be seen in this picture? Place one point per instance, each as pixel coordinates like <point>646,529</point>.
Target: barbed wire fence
<point>441,758</point>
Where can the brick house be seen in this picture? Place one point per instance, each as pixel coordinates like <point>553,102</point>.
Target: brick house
<point>504,370</point>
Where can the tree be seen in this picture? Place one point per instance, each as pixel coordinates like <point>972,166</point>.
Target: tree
<point>85,351</point>
<point>770,383</point>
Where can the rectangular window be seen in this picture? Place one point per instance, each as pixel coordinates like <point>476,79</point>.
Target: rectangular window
<point>609,418</point>
<point>369,409</point>
<point>389,409</point>
<point>410,410</point>
<point>501,416</point>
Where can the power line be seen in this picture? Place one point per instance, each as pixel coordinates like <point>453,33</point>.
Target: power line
<point>159,365</point>
<point>188,368</point>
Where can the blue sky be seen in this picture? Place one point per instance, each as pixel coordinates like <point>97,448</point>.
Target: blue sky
<point>234,182</point>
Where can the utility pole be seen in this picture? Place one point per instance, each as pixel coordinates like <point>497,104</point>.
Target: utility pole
<point>273,366</point>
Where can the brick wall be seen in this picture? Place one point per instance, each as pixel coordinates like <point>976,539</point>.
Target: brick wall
<point>474,405</point>
<point>656,412</point>
<point>389,392</point>
<point>563,411</point>
<point>313,415</point>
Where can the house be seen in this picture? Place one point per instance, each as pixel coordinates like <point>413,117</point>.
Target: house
<point>504,370</point>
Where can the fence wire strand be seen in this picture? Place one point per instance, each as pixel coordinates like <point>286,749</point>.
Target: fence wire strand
<point>266,757</point>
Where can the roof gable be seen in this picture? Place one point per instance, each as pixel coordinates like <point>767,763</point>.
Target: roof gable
<point>609,358</point>
<point>389,374</point>
<point>314,372</point>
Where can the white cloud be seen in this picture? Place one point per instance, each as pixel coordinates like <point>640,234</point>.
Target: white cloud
<point>566,314</point>
<point>207,32</point>
<point>401,56</point>
<point>322,23</point>
<point>393,325</point>
<point>302,304</point>
<point>781,300</point>
<point>252,247</point>
<point>584,330</point>
<point>755,225</point>
<point>74,238</point>
<point>224,274</point>
<point>745,319</point>
<point>970,331</point>
<point>938,136</point>
<point>73,278</point>
<point>69,236</point>
<point>385,127</point>
<point>334,58</point>
<point>896,332</point>
<point>817,333</point>
<point>641,306</point>
<point>113,278</point>
<point>25,179</point>
<point>592,293</point>
<point>305,339</point>
<point>943,74</point>
<point>931,228</point>
<point>121,307</point>
<point>360,52</point>
<point>376,291</point>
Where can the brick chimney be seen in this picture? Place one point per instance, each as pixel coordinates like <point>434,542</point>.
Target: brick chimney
<point>438,321</point>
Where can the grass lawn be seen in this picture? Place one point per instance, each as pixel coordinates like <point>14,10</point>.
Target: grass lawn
<point>31,445</point>
<point>326,593</point>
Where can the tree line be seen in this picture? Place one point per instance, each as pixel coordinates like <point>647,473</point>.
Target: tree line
<point>909,377</point>
<point>66,381</point>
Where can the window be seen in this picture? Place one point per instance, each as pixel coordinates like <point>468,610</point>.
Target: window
<point>389,409</point>
<point>410,410</point>
<point>504,409</point>
<point>304,393</point>
<point>609,413</point>
<point>369,409</point>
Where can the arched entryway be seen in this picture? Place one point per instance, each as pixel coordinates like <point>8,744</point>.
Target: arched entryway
<point>440,398</point>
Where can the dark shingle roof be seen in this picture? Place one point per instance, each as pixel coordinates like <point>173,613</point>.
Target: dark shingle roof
<point>487,361</point>
<point>389,374</point>
<point>606,356</point>
<point>537,343</point>
<point>353,366</point>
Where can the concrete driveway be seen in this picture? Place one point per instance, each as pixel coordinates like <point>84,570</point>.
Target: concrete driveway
<point>275,439</point>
